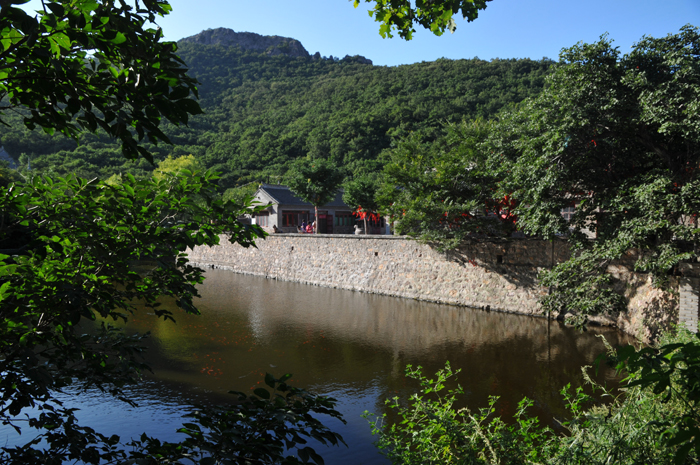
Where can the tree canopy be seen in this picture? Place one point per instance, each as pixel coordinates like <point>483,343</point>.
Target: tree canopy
<point>444,192</point>
<point>618,137</point>
<point>171,166</point>
<point>315,181</point>
<point>360,194</point>
<point>436,16</point>
<point>76,256</point>
<point>82,65</point>
<point>614,136</point>
<point>263,112</point>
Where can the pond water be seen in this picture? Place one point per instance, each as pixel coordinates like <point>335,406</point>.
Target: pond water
<point>345,344</point>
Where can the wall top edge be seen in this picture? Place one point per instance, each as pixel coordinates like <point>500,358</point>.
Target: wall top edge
<point>339,236</point>
<point>407,238</point>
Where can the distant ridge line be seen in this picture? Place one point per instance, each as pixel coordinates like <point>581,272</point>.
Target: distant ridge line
<point>270,45</point>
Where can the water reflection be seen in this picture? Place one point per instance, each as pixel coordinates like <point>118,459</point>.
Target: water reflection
<point>354,347</point>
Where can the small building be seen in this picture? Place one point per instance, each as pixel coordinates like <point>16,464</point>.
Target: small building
<point>288,212</point>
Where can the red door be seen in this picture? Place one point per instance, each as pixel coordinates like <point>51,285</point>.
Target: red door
<point>329,224</point>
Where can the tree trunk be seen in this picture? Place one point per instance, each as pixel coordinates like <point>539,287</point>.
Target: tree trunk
<point>316,220</point>
<point>365,220</point>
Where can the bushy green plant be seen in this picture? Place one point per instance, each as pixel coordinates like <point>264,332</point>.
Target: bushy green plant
<point>239,194</point>
<point>653,419</point>
<point>442,192</point>
<point>432,431</point>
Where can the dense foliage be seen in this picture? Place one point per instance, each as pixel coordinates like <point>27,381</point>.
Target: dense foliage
<point>263,112</point>
<point>78,255</point>
<point>314,181</point>
<point>70,247</point>
<point>444,192</point>
<point>618,137</point>
<point>360,194</point>
<point>654,420</point>
<point>171,166</point>
<point>434,15</point>
<point>82,65</point>
<point>615,136</point>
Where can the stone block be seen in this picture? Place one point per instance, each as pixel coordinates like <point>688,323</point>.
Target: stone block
<point>688,313</point>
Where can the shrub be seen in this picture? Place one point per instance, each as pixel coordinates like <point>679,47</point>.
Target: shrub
<point>652,420</point>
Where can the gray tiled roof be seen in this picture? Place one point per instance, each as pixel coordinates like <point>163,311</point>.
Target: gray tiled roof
<point>284,196</point>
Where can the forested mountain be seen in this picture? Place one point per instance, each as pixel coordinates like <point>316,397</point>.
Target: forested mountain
<point>267,102</point>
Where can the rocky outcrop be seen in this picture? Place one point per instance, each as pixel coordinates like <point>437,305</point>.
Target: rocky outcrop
<point>357,59</point>
<point>271,45</point>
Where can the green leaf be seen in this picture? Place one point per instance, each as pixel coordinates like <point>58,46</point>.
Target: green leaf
<point>119,39</point>
<point>56,9</point>
<point>191,426</point>
<point>10,37</point>
<point>7,270</point>
<point>315,457</point>
<point>62,40</point>
<point>385,31</point>
<point>189,106</point>
<point>87,6</point>
<point>55,48</point>
<point>270,380</point>
<point>682,453</point>
<point>3,290</point>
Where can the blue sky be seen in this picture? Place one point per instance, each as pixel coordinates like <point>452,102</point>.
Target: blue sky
<point>506,29</point>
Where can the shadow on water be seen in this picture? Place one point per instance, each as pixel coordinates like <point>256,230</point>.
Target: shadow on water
<point>346,344</point>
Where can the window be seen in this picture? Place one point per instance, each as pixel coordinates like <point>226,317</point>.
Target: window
<point>568,213</point>
<point>294,218</point>
<point>343,219</point>
<point>262,219</point>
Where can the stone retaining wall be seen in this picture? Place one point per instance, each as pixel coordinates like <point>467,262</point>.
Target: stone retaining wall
<point>497,275</point>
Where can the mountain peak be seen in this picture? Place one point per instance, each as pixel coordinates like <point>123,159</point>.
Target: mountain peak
<point>271,45</point>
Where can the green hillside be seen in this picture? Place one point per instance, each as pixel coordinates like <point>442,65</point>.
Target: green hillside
<point>263,111</point>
